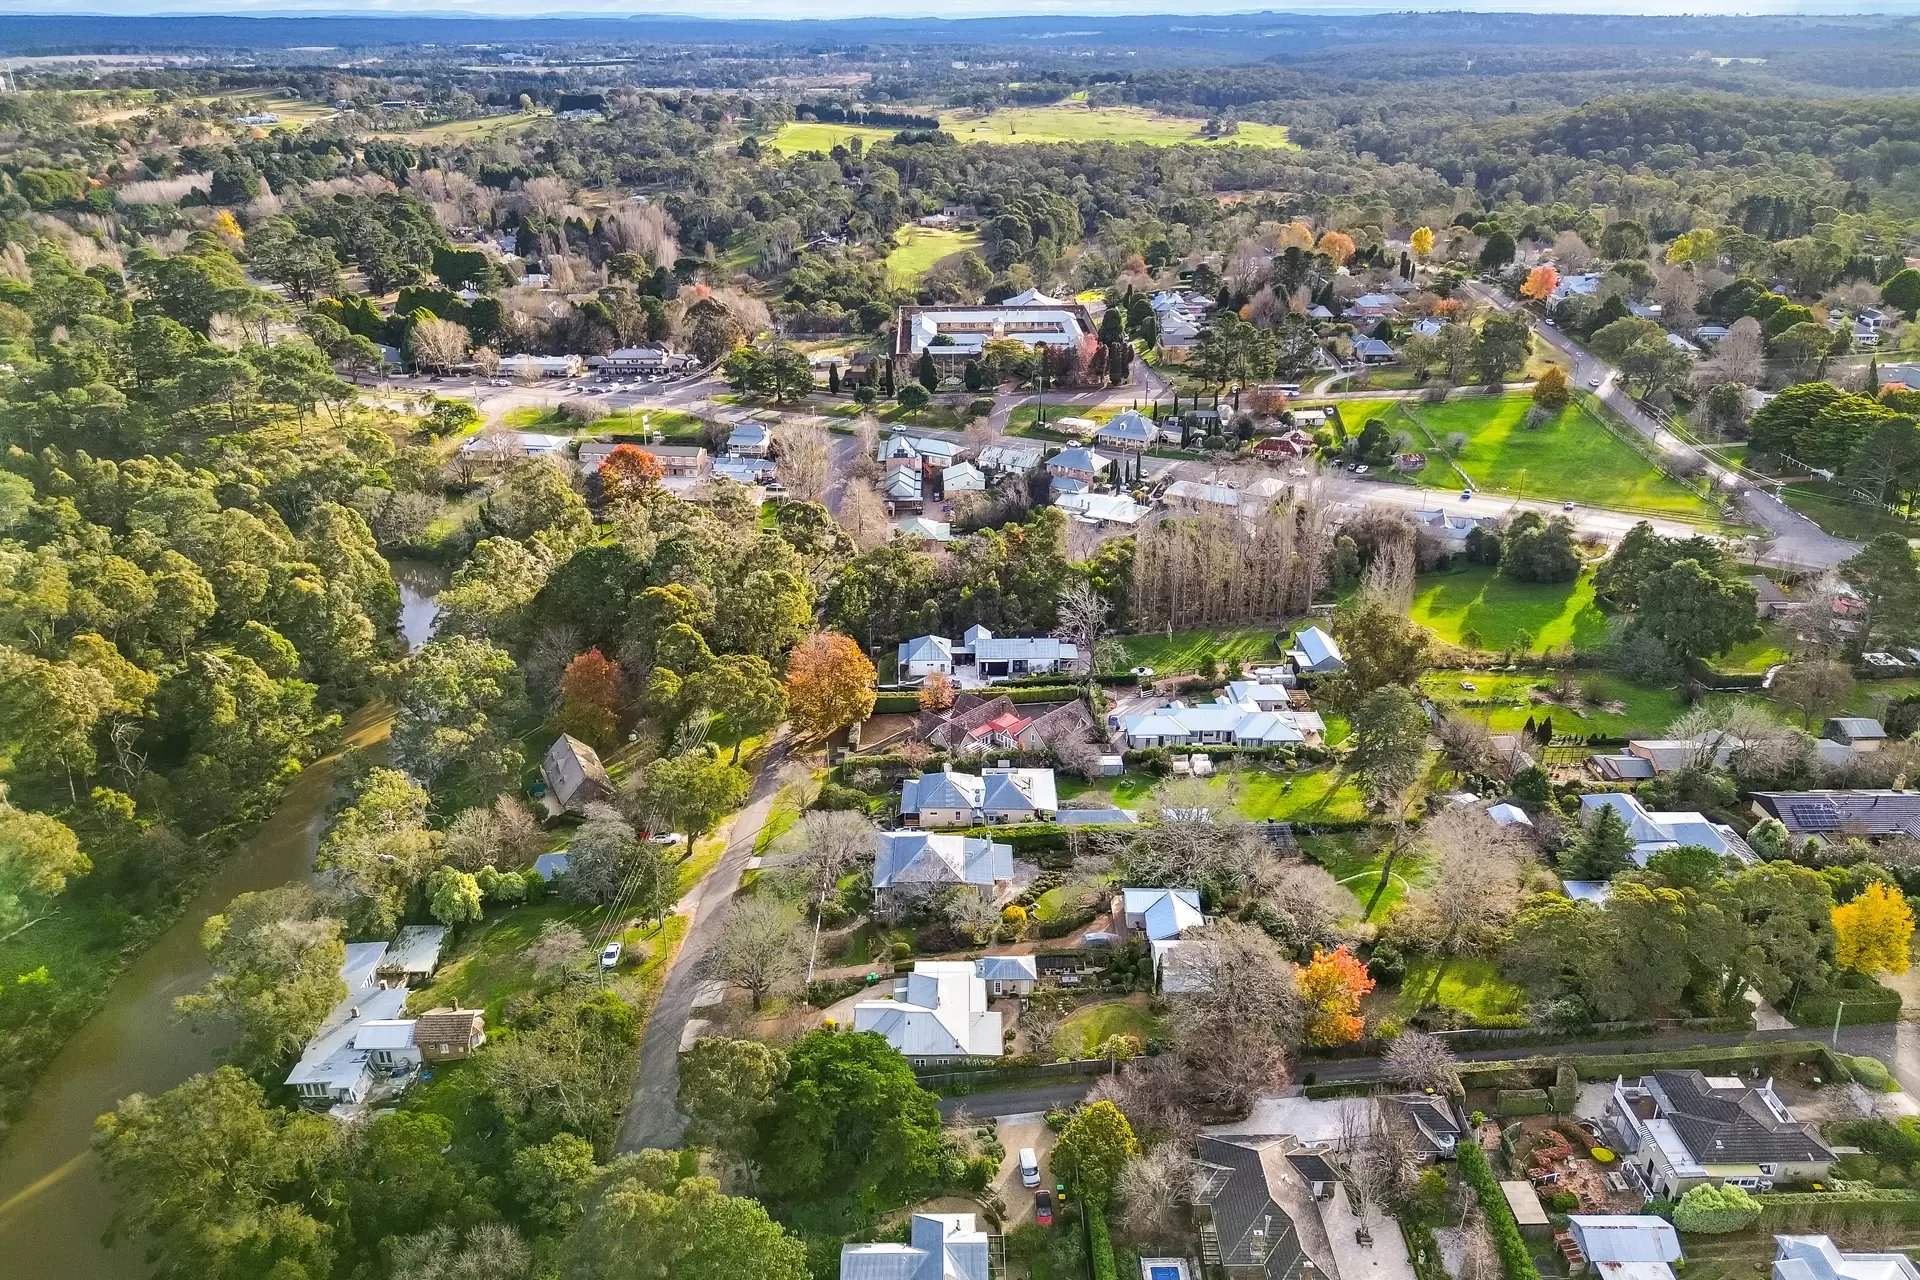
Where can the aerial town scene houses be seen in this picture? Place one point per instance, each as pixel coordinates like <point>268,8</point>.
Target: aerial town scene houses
<point>1049,646</point>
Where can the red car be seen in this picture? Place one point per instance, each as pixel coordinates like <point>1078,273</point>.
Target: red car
<point>1043,1208</point>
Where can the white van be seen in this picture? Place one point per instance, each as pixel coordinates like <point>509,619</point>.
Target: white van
<point>1029,1168</point>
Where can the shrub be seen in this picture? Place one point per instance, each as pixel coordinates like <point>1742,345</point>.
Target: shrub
<point>1872,1073</point>
<point>1566,1089</point>
<point>1564,1201</point>
<point>1514,1259</point>
<point>1711,1210</point>
<point>834,796</point>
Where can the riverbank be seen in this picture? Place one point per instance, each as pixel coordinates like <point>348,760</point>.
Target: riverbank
<point>53,1207</point>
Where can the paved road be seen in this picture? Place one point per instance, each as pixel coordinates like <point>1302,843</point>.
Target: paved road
<point>1797,540</point>
<point>653,1119</point>
<point>1017,1102</point>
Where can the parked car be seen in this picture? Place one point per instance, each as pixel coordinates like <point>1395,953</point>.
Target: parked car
<point>1029,1168</point>
<point>1043,1208</point>
<point>1594,383</point>
<point>1466,495</point>
<point>611,956</point>
<point>667,837</point>
<point>1142,672</point>
<point>1567,505</point>
<point>1360,470</point>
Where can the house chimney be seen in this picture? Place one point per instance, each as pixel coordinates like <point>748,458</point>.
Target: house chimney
<point>456,1004</point>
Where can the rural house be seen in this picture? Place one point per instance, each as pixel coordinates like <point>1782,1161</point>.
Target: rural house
<point>1008,975</point>
<point>1240,1221</point>
<point>1816,1258</point>
<point>949,799</point>
<point>1652,832</point>
<point>1828,814</point>
<point>1315,652</point>
<point>940,1246</point>
<point>574,775</point>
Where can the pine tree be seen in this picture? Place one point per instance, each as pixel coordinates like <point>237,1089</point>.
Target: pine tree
<point>833,379</point>
<point>1873,377</point>
<point>928,376</point>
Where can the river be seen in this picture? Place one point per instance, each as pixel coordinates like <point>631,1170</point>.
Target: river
<point>53,1206</point>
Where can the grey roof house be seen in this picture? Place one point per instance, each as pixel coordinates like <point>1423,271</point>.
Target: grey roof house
<point>1862,733</point>
<point>935,1014</point>
<point>949,799</point>
<point>1315,652</point>
<point>1241,1222</point>
<point>1842,813</point>
<point>1126,430</point>
<point>1678,1129</point>
<point>574,775</point>
<point>1651,832</point>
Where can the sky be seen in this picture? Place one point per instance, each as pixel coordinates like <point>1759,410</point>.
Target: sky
<point>818,9</point>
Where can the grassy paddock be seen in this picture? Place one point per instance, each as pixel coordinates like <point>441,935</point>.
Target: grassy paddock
<point>1500,610</point>
<point>1060,122</point>
<point>919,248</point>
<point>1185,651</point>
<point>1088,1027</point>
<point>1572,457</point>
<point>1623,710</point>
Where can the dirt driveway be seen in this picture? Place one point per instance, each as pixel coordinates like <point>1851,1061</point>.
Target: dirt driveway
<point>1015,1132</point>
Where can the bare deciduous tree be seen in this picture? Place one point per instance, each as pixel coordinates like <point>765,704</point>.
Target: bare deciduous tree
<point>1154,1186</point>
<point>503,834</point>
<point>863,515</point>
<point>1081,619</point>
<point>1420,1061</point>
<point>1466,743</point>
<point>558,947</point>
<point>823,846</point>
<point>1233,1035</point>
<point>805,462</point>
<point>971,913</point>
<point>438,344</point>
<point>758,948</point>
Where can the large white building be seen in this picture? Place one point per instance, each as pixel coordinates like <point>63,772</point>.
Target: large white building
<point>955,335</point>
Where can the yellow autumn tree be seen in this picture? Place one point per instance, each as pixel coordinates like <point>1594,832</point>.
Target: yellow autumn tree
<point>1422,241</point>
<point>1873,932</point>
<point>1333,985</point>
<point>1338,246</point>
<point>227,227</point>
<point>1541,282</point>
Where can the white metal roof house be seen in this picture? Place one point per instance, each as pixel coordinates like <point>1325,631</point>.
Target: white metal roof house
<point>923,655</point>
<point>1626,1246</point>
<point>542,366</point>
<point>1508,815</point>
<point>334,1070</point>
<point>750,440</point>
<point>1101,508</point>
<point>954,335</point>
<point>936,1013</point>
<point>1816,1258</point>
<point>1315,652</point>
<point>920,448</point>
<point>1652,832</point>
<point>1008,975</point>
<point>941,1246</point>
<point>1223,722</point>
<point>1161,913</point>
<point>1127,430</point>
<point>963,477</point>
<point>994,796</point>
<point>503,446</point>
<point>923,530</point>
<point>1012,456</point>
<point>911,865</point>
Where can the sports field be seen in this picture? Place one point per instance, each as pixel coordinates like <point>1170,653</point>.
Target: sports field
<point>1570,457</point>
<point>918,248</point>
<point>1061,122</point>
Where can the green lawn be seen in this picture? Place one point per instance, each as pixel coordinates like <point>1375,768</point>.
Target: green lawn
<point>676,427</point>
<point>1088,1027</point>
<point>801,135</point>
<point>1060,122</point>
<point>1772,645</point>
<point>1473,985</point>
<point>1185,651</point>
<point>936,417</point>
<point>1504,702</point>
<point>1320,795</point>
<point>1359,870</point>
<point>1571,457</point>
<point>1067,123</point>
<point>918,248</point>
<point>487,968</point>
<point>1502,612</point>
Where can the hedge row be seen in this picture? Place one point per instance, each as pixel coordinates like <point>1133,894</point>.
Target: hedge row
<point>1521,1102</point>
<point>1514,1258</point>
<point>1539,1071</point>
<point>1101,1250</point>
<point>1566,1090</point>
<point>1792,1210</point>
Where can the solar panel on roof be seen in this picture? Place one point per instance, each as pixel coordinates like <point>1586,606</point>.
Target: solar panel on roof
<point>1815,815</point>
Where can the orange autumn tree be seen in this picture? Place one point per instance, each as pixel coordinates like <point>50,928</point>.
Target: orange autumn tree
<point>628,472</point>
<point>1333,984</point>
<point>830,684</point>
<point>1338,246</point>
<point>590,699</point>
<point>936,691</point>
<point>1541,282</point>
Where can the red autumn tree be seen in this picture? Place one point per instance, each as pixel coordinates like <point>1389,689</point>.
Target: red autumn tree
<point>1541,282</point>
<point>628,472</point>
<point>1333,984</point>
<point>590,698</point>
<point>936,692</point>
